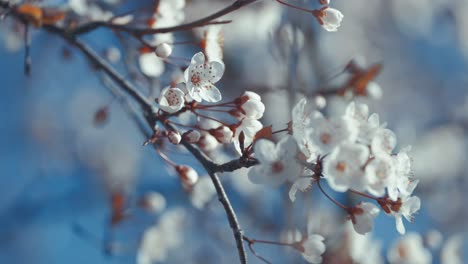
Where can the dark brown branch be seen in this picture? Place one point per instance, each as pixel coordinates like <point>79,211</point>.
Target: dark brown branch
<point>149,31</point>
<point>234,165</point>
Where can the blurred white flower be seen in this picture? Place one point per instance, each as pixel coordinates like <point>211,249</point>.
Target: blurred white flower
<point>203,192</point>
<point>362,217</point>
<point>409,249</point>
<point>163,50</point>
<point>161,238</point>
<point>151,65</point>
<point>312,248</point>
<point>154,202</point>
<point>452,250</point>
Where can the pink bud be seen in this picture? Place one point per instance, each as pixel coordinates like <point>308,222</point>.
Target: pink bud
<point>192,136</point>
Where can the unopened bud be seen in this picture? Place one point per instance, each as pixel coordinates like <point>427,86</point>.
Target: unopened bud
<point>163,50</point>
<point>174,137</point>
<point>223,134</point>
<point>187,175</point>
<point>192,136</point>
<point>153,202</point>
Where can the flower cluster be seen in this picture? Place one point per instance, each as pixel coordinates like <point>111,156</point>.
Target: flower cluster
<point>352,152</point>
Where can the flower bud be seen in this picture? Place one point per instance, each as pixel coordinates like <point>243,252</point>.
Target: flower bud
<point>153,202</point>
<point>174,137</point>
<point>208,142</point>
<point>187,175</point>
<point>163,50</point>
<point>192,136</point>
<point>223,134</point>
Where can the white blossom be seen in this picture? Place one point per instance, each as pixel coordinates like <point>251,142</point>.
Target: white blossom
<point>409,249</point>
<point>203,192</point>
<point>343,167</point>
<point>329,133</point>
<point>363,217</point>
<point>171,99</point>
<point>154,202</point>
<point>277,162</point>
<point>250,127</point>
<point>249,105</point>
<point>313,248</point>
<point>151,65</point>
<point>200,78</point>
<point>330,19</point>
<point>452,251</point>
<point>302,128</point>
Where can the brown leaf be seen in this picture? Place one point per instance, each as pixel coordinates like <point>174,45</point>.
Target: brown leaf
<point>32,13</point>
<point>359,81</point>
<point>51,16</point>
<point>40,16</point>
<point>266,132</point>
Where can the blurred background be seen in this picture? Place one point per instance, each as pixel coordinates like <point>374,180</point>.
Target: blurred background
<point>60,167</point>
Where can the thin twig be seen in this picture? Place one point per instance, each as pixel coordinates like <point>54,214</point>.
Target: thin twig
<point>208,20</point>
<point>27,46</point>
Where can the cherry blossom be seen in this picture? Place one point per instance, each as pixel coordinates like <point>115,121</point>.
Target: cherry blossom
<point>302,128</point>
<point>277,162</point>
<point>329,133</point>
<point>342,168</point>
<point>202,193</point>
<point>250,127</point>
<point>151,65</point>
<point>452,251</point>
<point>249,105</point>
<point>329,18</point>
<point>200,78</point>
<point>409,249</point>
<point>362,217</point>
<point>312,248</point>
<point>154,202</point>
<point>380,173</point>
<point>405,206</point>
<point>171,99</point>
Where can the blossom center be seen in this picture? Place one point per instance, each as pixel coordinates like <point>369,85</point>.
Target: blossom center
<point>195,79</point>
<point>341,166</point>
<point>277,166</point>
<point>325,138</point>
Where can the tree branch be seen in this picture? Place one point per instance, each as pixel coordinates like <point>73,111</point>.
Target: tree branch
<point>150,31</point>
